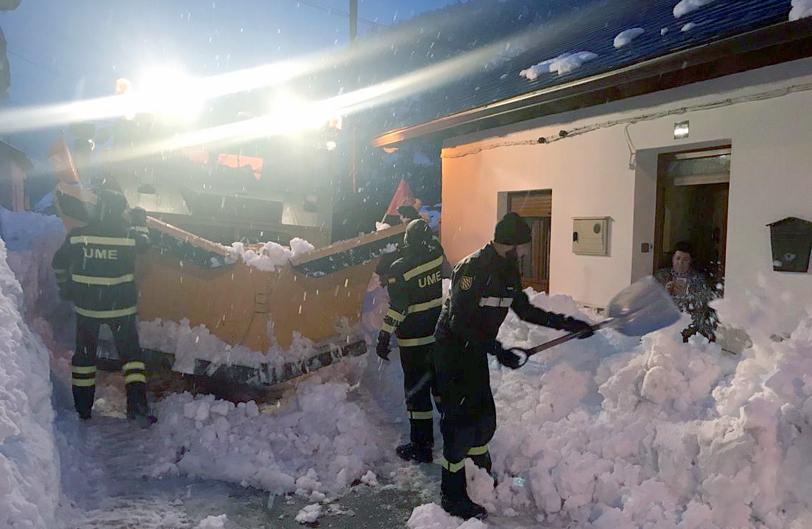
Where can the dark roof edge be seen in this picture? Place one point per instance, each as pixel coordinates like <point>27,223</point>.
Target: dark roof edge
<point>766,46</point>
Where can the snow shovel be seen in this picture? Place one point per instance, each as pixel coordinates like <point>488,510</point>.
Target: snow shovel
<point>640,308</point>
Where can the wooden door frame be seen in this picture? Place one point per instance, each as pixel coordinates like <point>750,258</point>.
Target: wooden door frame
<point>540,283</point>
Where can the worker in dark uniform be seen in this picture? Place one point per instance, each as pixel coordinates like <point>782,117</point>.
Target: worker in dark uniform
<point>484,286</point>
<point>95,269</point>
<point>415,297</point>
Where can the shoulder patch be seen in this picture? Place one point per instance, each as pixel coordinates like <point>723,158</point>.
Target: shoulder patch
<point>466,282</point>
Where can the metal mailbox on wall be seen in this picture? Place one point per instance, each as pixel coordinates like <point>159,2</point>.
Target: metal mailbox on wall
<point>590,235</point>
<point>791,241</point>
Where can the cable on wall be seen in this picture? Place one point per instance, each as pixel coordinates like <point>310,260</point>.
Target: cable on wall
<point>585,129</point>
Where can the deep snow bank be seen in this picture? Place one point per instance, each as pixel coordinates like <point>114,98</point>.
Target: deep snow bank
<point>29,476</point>
<point>609,433</point>
<point>315,441</point>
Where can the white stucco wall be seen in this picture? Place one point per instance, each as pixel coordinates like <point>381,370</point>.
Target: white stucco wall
<point>589,175</point>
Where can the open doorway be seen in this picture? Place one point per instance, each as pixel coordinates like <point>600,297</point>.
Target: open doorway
<point>692,204</point>
<point>536,208</point>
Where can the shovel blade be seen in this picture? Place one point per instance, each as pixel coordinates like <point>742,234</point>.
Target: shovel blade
<point>641,308</point>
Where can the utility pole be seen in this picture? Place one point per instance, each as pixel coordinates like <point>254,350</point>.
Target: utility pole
<point>353,129</point>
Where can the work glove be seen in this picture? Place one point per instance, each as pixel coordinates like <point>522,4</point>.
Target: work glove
<point>138,217</point>
<point>382,349</point>
<point>509,358</point>
<point>572,325</point>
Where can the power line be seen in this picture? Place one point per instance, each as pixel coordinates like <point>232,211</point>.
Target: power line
<point>32,62</point>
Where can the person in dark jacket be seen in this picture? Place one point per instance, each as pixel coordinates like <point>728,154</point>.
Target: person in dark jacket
<point>95,269</point>
<point>484,286</point>
<point>415,296</point>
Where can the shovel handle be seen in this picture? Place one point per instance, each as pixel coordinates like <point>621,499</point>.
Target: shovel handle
<point>566,338</point>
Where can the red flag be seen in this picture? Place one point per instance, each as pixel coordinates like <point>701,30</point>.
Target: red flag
<point>63,163</point>
<point>403,196</point>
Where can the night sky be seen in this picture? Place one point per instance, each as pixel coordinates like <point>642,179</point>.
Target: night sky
<point>67,50</point>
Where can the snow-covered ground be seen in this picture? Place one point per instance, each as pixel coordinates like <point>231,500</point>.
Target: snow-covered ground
<point>609,432</point>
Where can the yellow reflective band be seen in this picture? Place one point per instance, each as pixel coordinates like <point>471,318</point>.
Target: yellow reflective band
<point>478,450</point>
<point>414,342</point>
<point>60,271</point>
<point>451,467</point>
<point>83,382</point>
<point>392,280</point>
<point>118,313</point>
<point>420,307</point>
<point>395,315</point>
<point>417,270</point>
<point>107,241</point>
<point>141,229</point>
<point>131,366</point>
<point>388,328</point>
<point>135,377</point>
<point>83,370</point>
<point>105,281</point>
<point>421,415</point>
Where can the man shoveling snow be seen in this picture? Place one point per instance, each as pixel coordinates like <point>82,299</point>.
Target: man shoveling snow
<point>483,286</point>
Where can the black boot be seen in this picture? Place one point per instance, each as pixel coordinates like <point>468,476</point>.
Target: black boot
<point>415,452</point>
<point>455,500</point>
<point>83,397</point>
<point>137,407</point>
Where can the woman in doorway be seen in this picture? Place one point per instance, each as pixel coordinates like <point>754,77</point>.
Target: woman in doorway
<point>691,291</point>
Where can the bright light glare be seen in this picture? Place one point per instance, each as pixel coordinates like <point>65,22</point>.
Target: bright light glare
<point>290,113</point>
<point>168,92</point>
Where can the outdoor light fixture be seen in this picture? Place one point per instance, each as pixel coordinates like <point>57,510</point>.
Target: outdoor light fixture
<point>681,130</point>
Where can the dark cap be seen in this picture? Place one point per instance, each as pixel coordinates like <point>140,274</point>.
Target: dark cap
<point>512,230</point>
<point>417,233</point>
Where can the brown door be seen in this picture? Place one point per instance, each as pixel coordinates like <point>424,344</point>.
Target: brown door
<point>536,208</point>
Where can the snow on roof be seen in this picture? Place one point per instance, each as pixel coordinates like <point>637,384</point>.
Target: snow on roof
<point>564,63</point>
<point>687,6</point>
<point>549,37</point>
<point>800,9</point>
<point>626,37</point>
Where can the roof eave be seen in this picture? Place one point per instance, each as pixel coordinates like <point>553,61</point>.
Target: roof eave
<point>766,46</point>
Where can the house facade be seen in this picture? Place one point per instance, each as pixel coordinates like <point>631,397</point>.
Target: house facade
<point>704,138</point>
<point>748,139</point>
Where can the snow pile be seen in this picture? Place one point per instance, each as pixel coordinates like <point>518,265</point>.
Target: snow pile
<point>800,9</point>
<point>213,522</point>
<point>271,255</point>
<point>626,37</point>
<point>189,344</point>
<point>432,516</point>
<point>564,63</point>
<point>613,432</point>
<point>29,475</point>
<point>688,6</point>
<point>309,514</point>
<point>315,441</point>
<point>32,240</point>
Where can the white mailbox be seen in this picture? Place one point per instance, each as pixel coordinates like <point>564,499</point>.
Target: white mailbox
<point>590,235</point>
